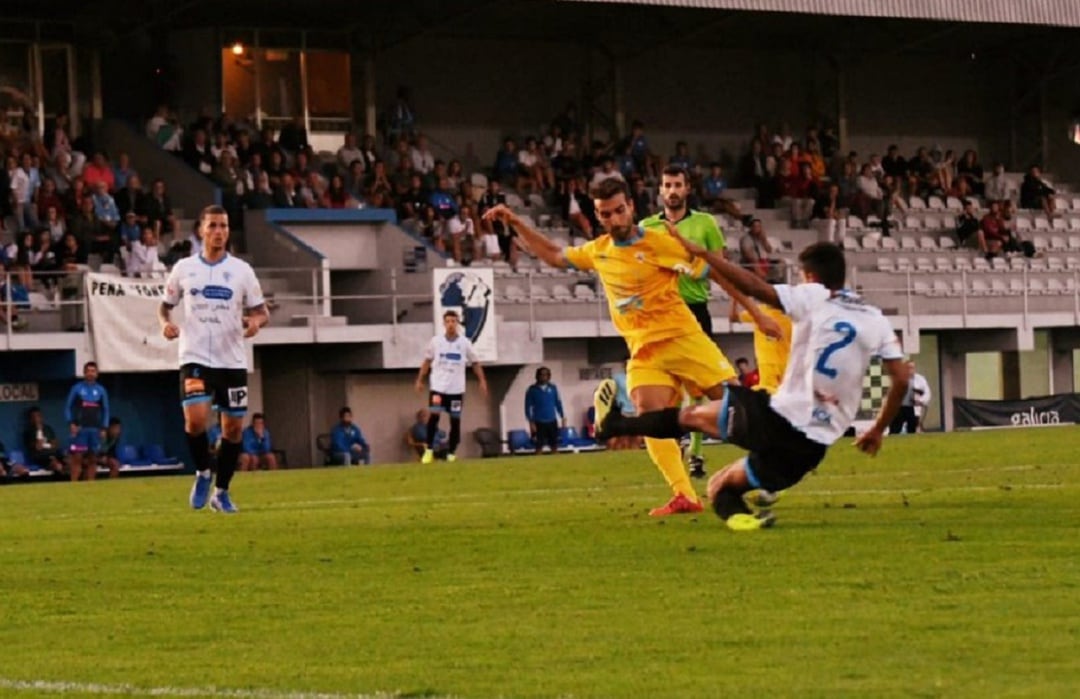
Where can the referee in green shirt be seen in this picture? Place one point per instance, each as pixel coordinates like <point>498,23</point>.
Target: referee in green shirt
<point>701,228</point>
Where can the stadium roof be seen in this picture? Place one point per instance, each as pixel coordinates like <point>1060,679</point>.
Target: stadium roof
<point>1060,13</point>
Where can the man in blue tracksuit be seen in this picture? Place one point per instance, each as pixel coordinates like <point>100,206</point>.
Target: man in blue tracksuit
<point>256,450</point>
<point>544,411</point>
<point>347,444</point>
<point>87,413</point>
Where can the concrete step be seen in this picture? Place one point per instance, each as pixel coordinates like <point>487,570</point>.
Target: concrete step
<point>308,320</point>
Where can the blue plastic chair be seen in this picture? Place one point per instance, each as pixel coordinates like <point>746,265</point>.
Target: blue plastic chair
<point>128,455</point>
<point>155,454</point>
<point>16,456</point>
<point>519,440</point>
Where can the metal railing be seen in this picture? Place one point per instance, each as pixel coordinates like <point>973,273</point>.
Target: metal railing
<point>526,296</point>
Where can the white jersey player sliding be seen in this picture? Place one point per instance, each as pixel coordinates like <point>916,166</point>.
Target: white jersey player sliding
<point>835,334</point>
<point>223,306</point>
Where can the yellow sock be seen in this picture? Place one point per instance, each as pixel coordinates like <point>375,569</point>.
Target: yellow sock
<point>666,455</point>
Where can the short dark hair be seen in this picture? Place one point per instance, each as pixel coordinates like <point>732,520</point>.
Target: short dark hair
<point>33,409</point>
<point>542,370</point>
<point>742,360</point>
<point>212,210</point>
<point>346,409</point>
<point>675,171</point>
<point>608,188</point>
<point>257,416</point>
<point>114,421</point>
<point>450,312</point>
<point>89,364</point>
<point>826,262</point>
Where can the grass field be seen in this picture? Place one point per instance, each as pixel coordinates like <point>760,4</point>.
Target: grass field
<point>947,567</point>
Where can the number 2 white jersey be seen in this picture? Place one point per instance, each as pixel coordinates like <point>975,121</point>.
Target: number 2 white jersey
<point>832,341</point>
<point>448,361</point>
<point>215,297</point>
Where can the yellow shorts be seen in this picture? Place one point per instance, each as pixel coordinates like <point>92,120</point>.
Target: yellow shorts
<point>691,361</point>
<point>770,374</point>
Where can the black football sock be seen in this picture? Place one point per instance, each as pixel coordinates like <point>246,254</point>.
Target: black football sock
<point>432,429</point>
<point>199,446</point>
<point>455,434</point>
<point>729,502</point>
<point>228,456</point>
<point>659,424</point>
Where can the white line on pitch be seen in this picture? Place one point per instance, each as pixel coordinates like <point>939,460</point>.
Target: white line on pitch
<point>128,690</point>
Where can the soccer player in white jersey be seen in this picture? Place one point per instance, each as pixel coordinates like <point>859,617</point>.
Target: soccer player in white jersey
<point>446,357</point>
<point>223,306</point>
<point>835,334</point>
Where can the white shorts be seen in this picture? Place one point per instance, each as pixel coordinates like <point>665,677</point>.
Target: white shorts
<point>491,245</point>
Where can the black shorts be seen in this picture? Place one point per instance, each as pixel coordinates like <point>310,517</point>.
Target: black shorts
<point>225,388</point>
<point>780,455</point>
<point>547,435</point>
<point>446,403</point>
<point>704,318</point>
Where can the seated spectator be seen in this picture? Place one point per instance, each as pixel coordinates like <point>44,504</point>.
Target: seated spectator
<point>421,157</point>
<point>460,234</point>
<point>578,209</point>
<point>99,171</point>
<point>969,169</point>
<point>967,224</point>
<point>997,185</point>
<point>159,212</point>
<point>946,169</point>
<point>413,200</point>
<point>507,168</point>
<point>243,148</point>
<point>378,181</point>
<point>1014,241</point>
<point>370,152</point>
<point>9,470</point>
<point>644,201</point>
<point>72,252</point>
<point>682,157</point>
<point>1035,193</point>
<point>41,444</point>
<point>257,450</point>
<point>197,153</point>
<point>143,259</point>
<point>105,209</point>
<point>347,444</point>
<point>108,455</point>
<point>262,196</point>
<point>165,130</point>
<point>539,175</point>
<point>416,436</point>
<point>47,197</point>
<point>754,250</point>
<point>122,172</point>
<point>293,137</point>
<point>503,234</point>
<point>132,198</point>
<point>130,231</point>
<point>992,234</point>
<point>868,197</point>
<point>61,151</point>
<point>607,171</point>
<point>455,174</point>
<point>443,201</point>
<point>645,161</point>
<point>222,146</point>
<point>336,196</point>
<point>355,181</point>
<point>827,207</point>
<point>43,261</point>
<point>802,189</point>
<point>312,189</point>
<point>713,188</point>
<point>286,194</point>
<point>349,153</point>
<point>22,195</point>
<point>429,225</point>
<point>88,230</point>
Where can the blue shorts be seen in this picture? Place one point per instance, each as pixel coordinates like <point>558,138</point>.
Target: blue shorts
<point>88,439</point>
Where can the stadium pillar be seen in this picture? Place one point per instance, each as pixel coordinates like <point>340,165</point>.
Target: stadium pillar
<point>1010,375</point>
<point>953,382</point>
<point>1062,371</point>
<point>370,107</point>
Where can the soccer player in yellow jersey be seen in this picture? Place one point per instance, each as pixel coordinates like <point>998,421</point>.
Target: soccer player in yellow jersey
<point>771,353</point>
<point>640,270</point>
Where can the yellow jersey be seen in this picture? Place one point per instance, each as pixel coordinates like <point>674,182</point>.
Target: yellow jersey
<point>772,354</point>
<point>641,281</point>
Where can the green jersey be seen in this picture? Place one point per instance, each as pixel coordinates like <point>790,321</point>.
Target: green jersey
<point>697,227</point>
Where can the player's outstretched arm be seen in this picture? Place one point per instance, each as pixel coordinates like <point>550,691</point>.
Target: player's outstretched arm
<point>870,441</point>
<point>729,275</point>
<point>763,322</point>
<point>542,246</point>
<point>425,367</point>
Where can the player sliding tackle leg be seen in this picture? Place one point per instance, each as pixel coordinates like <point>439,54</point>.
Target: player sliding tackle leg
<point>835,334</point>
<point>640,268</point>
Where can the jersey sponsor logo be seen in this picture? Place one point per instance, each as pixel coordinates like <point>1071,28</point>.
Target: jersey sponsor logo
<point>455,406</point>
<point>453,356</point>
<point>238,397</point>
<point>193,386</point>
<point>214,292</point>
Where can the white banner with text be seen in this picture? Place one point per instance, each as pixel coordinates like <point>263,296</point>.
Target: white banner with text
<point>124,326</point>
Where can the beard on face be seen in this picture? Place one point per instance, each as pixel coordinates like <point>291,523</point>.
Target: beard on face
<point>674,201</point>
<point>621,232</point>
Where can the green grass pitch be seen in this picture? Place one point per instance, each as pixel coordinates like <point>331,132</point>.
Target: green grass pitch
<point>949,566</point>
